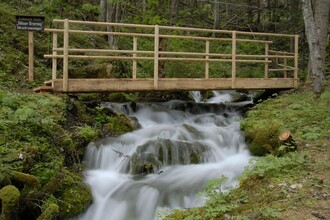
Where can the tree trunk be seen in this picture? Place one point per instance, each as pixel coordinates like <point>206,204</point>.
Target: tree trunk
<point>216,15</point>
<point>174,11</point>
<point>313,34</point>
<point>114,13</point>
<point>103,10</point>
<point>144,5</point>
<point>322,10</point>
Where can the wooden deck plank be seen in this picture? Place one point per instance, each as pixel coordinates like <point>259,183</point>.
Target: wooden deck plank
<point>170,84</point>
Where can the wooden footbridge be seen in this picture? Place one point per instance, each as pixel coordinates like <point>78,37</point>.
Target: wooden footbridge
<point>170,58</point>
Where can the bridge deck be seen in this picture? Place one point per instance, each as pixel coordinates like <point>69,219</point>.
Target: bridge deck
<point>216,52</point>
<point>171,84</point>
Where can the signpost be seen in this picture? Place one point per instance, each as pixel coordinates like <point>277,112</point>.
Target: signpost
<point>30,24</point>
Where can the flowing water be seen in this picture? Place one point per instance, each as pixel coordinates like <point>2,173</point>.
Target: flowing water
<point>165,163</point>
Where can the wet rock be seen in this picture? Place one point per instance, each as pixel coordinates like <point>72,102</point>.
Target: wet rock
<point>153,155</point>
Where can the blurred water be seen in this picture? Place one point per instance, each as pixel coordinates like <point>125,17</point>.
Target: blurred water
<point>185,143</point>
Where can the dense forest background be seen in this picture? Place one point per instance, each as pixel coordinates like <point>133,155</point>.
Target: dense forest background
<point>274,16</point>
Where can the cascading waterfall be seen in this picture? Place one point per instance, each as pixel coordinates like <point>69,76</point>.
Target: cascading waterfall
<point>165,163</point>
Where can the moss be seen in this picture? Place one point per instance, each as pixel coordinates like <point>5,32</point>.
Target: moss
<point>51,212</point>
<point>54,184</point>
<point>27,179</point>
<point>264,136</point>
<point>118,125</point>
<point>9,195</point>
<point>74,196</point>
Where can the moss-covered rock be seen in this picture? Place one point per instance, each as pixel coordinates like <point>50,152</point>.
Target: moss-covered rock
<point>74,196</point>
<point>51,212</point>
<point>27,179</point>
<point>9,197</point>
<point>54,184</point>
<point>263,137</point>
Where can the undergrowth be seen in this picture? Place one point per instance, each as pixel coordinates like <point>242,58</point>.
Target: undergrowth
<point>273,186</point>
<point>306,116</point>
<point>44,137</point>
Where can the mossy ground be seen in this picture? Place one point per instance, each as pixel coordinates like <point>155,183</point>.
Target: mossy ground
<point>294,186</point>
<point>42,143</point>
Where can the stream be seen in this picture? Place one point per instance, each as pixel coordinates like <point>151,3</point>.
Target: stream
<point>163,165</point>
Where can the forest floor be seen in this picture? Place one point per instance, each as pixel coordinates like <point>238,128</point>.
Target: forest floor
<point>313,200</point>
<point>293,186</point>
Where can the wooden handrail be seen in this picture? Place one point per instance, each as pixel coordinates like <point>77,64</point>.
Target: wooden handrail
<point>94,23</point>
<point>74,50</point>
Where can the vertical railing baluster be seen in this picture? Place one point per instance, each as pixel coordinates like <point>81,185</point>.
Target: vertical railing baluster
<point>207,63</point>
<point>65,55</point>
<point>285,66</point>
<point>54,59</point>
<point>156,57</point>
<point>31,56</point>
<point>134,56</point>
<point>266,59</point>
<point>233,61</point>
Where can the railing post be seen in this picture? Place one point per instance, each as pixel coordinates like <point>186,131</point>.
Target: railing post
<point>31,56</point>
<point>207,63</point>
<point>266,59</point>
<point>285,66</point>
<point>134,55</point>
<point>65,55</point>
<point>54,59</point>
<point>156,57</point>
<point>296,51</point>
<point>233,61</point>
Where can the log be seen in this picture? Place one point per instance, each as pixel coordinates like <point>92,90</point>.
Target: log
<point>285,136</point>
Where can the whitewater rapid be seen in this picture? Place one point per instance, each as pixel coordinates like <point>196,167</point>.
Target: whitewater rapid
<point>164,164</point>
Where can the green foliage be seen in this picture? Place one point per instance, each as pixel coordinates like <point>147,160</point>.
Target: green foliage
<point>74,195</point>
<point>35,139</point>
<point>88,133</point>
<point>118,125</point>
<point>263,136</point>
<point>270,213</point>
<point>271,166</point>
<point>218,198</point>
<point>306,116</point>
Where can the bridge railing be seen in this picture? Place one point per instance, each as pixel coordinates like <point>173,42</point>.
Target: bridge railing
<point>273,60</point>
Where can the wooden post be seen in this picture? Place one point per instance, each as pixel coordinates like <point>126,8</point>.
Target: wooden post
<point>285,60</point>
<point>134,55</point>
<point>207,64</point>
<point>266,59</point>
<point>296,51</point>
<point>31,56</point>
<point>65,55</point>
<point>54,60</point>
<point>233,61</point>
<point>156,57</point>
